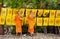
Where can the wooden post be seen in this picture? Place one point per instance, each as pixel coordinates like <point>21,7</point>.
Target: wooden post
<point>1,26</point>
<point>45,30</point>
<point>1,29</point>
<point>59,30</point>
<point>56,30</point>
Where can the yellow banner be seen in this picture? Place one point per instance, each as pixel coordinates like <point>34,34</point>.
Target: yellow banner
<point>2,20</point>
<point>13,20</point>
<point>39,21</point>
<point>34,11</point>
<point>27,12</point>
<point>26,20</point>
<point>15,11</point>
<point>46,12</point>
<point>51,21</point>
<point>9,12</point>
<point>21,12</point>
<point>58,13</point>
<point>13,16</point>
<point>52,13</point>
<point>57,21</point>
<point>45,21</point>
<point>40,12</point>
<point>3,11</point>
<point>8,20</point>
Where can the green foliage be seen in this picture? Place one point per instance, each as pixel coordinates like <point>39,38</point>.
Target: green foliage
<point>44,4</point>
<point>0,1</point>
<point>51,4</point>
<point>34,4</point>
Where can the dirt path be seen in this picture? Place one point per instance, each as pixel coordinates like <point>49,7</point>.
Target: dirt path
<point>37,36</point>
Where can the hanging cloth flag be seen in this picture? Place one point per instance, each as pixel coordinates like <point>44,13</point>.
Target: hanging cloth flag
<point>2,20</point>
<point>34,11</point>
<point>58,14</point>
<point>21,13</point>
<point>27,13</point>
<point>3,12</point>
<point>15,11</point>
<point>3,16</point>
<point>9,12</point>
<point>40,12</point>
<point>57,21</point>
<point>46,13</point>
<point>39,21</point>
<point>52,13</point>
<point>8,20</point>
<point>45,21</point>
<point>13,16</point>
<point>51,21</point>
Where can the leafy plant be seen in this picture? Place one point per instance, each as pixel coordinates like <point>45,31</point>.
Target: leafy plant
<point>0,1</point>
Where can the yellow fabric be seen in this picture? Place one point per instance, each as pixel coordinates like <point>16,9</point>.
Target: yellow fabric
<point>9,11</point>
<point>27,12</point>
<point>52,13</point>
<point>51,21</point>
<point>13,20</point>
<point>2,20</point>
<point>15,11</point>
<point>34,11</point>
<point>21,12</point>
<point>39,21</point>
<point>3,11</point>
<point>45,13</point>
<point>58,14</point>
<point>57,21</point>
<point>8,20</point>
<point>40,12</point>
<point>45,21</point>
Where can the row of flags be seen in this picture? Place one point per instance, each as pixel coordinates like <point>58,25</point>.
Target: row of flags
<point>43,17</point>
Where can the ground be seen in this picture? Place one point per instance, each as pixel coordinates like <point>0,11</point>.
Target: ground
<point>37,36</point>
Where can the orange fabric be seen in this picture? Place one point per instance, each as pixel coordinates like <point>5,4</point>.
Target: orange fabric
<point>31,25</point>
<point>18,24</point>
